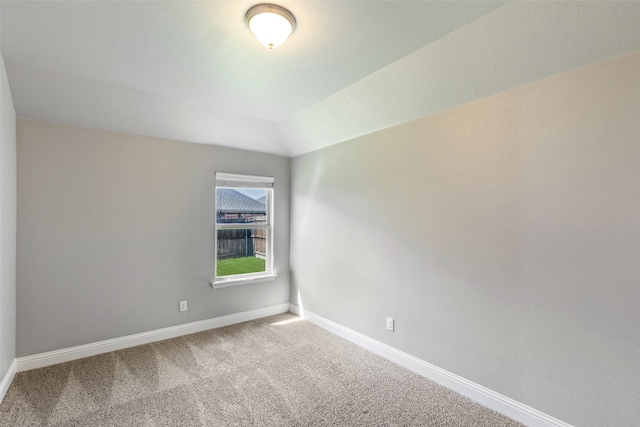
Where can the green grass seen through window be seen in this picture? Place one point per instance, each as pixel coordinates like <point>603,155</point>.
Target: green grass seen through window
<point>231,266</point>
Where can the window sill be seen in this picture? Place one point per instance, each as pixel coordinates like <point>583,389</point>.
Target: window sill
<point>242,281</point>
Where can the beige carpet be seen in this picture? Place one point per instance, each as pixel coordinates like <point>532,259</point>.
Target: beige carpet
<point>277,371</point>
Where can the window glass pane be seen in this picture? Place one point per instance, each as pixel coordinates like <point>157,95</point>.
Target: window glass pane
<point>241,205</point>
<point>241,251</point>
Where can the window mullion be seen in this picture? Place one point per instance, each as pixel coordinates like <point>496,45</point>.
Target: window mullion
<point>242,226</point>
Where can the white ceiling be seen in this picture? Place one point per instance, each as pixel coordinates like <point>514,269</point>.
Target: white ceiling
<point>192,71</point>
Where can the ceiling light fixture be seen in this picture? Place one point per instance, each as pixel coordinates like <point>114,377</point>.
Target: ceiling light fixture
<point>270,23</point>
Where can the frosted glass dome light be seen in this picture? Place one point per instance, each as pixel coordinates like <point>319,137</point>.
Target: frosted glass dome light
<point>270,23</point>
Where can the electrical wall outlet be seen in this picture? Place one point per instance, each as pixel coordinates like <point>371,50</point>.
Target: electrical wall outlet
<point>183,305</point>
<point>390,324</point>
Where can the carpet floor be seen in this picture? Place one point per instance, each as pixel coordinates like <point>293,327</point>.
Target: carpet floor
<point>276,371</point>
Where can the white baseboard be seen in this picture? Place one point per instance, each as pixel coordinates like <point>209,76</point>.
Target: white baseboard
<point>65,355</point>
<point>489,398</point>
<point>8,378</point>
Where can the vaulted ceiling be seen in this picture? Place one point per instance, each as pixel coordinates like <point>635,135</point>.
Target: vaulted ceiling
<point>192,71</point>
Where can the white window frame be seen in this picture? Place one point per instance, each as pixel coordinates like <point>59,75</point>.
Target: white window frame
<point>230,180</point>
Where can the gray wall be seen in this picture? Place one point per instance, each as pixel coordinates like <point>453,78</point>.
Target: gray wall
<point>7,225</point>
<point>503,236</point>
<point>114,230</point>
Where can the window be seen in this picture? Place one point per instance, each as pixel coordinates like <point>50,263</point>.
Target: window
<point>244,229</point>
